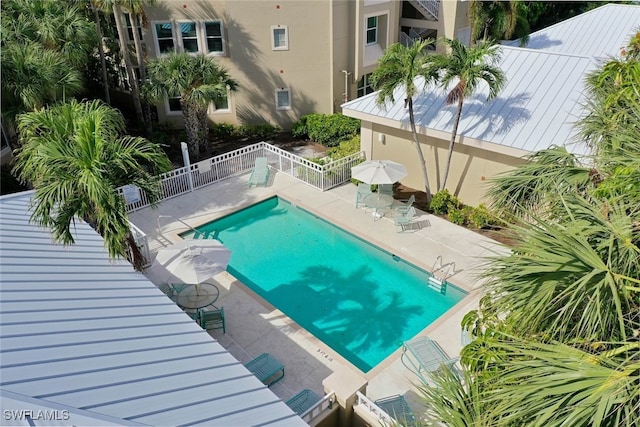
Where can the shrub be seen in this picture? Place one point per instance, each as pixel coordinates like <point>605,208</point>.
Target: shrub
<point>259,131</point>
<point>443,201</point>
<point>458,215</point>
<point>328,129</point>
<point>345,148</point>
<point>480,216</point>
<point>299,128</point>
<point>223,131</point>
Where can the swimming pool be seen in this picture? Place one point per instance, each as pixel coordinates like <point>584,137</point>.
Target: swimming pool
<point>358,299</point>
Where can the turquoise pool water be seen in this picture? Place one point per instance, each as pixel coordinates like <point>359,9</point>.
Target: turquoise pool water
<point>358,299</point>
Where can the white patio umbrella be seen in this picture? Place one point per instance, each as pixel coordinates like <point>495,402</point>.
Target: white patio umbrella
<point>191,261</point>
<point>379,172</point>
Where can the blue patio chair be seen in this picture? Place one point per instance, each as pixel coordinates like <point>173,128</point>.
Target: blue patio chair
<point>386,189</point>
<point>403,209</point>
<point>212,319</point>
<point>396,407</point>
<point>301,402</point>
<point>260,172</point>
<point>423,356</point>
<point>267,368</point>
<point>363,191</point>
<point>402,220</point>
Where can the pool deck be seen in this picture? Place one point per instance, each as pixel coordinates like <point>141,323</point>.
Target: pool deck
<point>254,327</point>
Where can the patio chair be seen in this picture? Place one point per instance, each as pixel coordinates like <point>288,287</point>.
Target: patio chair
<point>423,355</point>
<point>403,209</point>
<point>267,368</point>
<point>260,172</point>
<point>212,319</point>
<point>363,191</point>
<point>403,219</point>
<point>396,407</point>
<point>385,189</point>
<point>302,401</point>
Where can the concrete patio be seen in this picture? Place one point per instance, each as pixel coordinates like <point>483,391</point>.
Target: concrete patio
<point>255,327</point>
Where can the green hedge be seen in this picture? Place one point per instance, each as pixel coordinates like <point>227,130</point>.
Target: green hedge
<point>326,129</point>
<point>225,131</point>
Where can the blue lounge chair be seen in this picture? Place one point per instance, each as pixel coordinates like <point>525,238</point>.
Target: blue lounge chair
<point>267,368</point>
<point>363,191</point>
<point>303,401</point>
<point>423,355</point>
<point>397,408</point>
<point>260,172</point>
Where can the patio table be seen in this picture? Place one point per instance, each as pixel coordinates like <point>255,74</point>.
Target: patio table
<point>197,296</point>
<point>378,202</point>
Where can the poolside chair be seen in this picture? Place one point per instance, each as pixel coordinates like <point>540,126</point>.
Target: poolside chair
<point>396,407</point>
<point>212,319</point>
<point>267,368</point>
<point>363,191</point>
<point>385,189</point>
<point>301,402</point>
<point>260,172</point>
<point>403,209</point>
<point>423,355</point>
<point>402,220</point>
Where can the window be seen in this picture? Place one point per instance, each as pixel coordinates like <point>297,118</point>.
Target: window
<point>173,105</point>
<point>189,37</point>
<point>222,103</point>
<point>372,29</point>
<point>127,18</point>
<point>164,37</point>
<point>364,85</point>
<point>214,37</point>
<point>283,99</point>
<point>279,37</point>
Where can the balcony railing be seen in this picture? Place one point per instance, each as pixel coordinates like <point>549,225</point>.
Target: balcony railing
<point>320,410</point>
<point>431,6</point>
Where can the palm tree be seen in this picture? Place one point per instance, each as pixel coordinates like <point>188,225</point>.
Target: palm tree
<point>198,81</point>
<point>76,157</point>
<point>103,59</point>
<point>494,19</point>
<point>468,66</point>
<point>402,67</point>
<point>33,77</point>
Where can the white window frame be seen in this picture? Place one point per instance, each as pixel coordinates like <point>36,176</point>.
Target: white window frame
<point>129,19</point>
<point>213,110</point>
<point>367,29</point>
<point>288,92</point>
<point>178,34</point>
<point>156,38</point>
<point>205,37</point>
<point>169,111</point>
<point>365,84</point>
<point>273,37</point>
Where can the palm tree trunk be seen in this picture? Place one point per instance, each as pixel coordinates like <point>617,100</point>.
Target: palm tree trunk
<point>143,70</point>
<point>203,129</point>
<point>133,82</point>
<point>103,61</point>
<point>423,166</point>
<point>137,259</point>
<point>451,143</point>
<point>192,128</point>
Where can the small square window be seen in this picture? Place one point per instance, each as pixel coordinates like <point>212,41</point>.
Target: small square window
<point>372,29</point>
<point>214,36</point>
<point>174,104</point>
<point>164,37</point>
<point>222,103</point>
<point>189,36</point>
<point>279,37</point>
<point>283,99</point>
<point>364,85</point>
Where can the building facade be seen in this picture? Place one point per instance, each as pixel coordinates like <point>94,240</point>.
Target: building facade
<point>292,57</point>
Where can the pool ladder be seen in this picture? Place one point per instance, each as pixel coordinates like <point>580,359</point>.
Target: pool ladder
<point>196,233</point>
<point>439,275</point>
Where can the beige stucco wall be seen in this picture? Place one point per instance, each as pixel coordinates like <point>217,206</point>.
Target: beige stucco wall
<point>471,167</point>
<point>453,16</point>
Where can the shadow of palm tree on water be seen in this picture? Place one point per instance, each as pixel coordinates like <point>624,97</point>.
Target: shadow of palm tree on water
<point>347,310</point>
